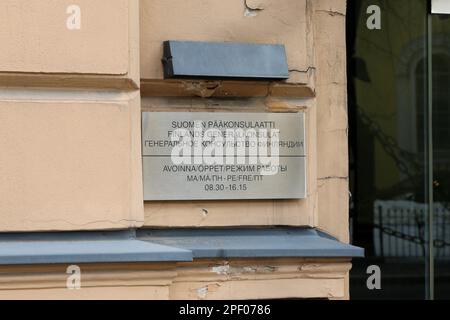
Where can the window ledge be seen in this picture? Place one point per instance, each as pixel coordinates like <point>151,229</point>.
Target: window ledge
<point>169,245</point>
<point>84,247</point>
<point>253,243</point>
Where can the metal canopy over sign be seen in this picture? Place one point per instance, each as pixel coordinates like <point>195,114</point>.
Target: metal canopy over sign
<point>213,156</point>
<point>195,59</point>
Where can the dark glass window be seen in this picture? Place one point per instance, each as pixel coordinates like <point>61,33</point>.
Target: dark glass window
<point>399,160</point>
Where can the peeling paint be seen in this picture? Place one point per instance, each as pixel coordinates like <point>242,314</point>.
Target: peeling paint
<point>236,271</point>
<point>202,89</point>
<point>249,13</point>
<point>256,4</point>
<point>252,8</point>
<point>270,269</point>
<point>249,269</point>
<point>224,270</point>
<point>202,292</point>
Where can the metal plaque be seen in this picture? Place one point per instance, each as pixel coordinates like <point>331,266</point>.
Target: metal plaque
<point>218,156</point>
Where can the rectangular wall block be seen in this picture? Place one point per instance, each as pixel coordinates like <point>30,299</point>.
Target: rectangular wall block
<point>82,38</point>
<point>69,160</point>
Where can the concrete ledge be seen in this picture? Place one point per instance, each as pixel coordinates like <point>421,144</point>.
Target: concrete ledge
<point>84,247</point>
<point>253,243</point>
<point>173,245</point>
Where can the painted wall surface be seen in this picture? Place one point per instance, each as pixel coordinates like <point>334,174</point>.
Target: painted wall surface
<point>70,103</point>
<point>200,280</point>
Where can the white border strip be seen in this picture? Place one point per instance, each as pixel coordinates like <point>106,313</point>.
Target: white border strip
<point>440,6</point>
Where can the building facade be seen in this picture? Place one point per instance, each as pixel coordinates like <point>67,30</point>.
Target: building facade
<point>76,78</point>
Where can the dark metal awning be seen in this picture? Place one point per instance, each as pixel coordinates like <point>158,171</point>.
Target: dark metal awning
<point>222,60</point>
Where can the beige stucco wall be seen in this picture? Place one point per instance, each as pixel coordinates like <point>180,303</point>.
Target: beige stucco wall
<point>200,280</point>
<point>70,103</point>
<point>314,35</point>
<point>35,39</point>
<point>71,160</point>
<point>332,120</point>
